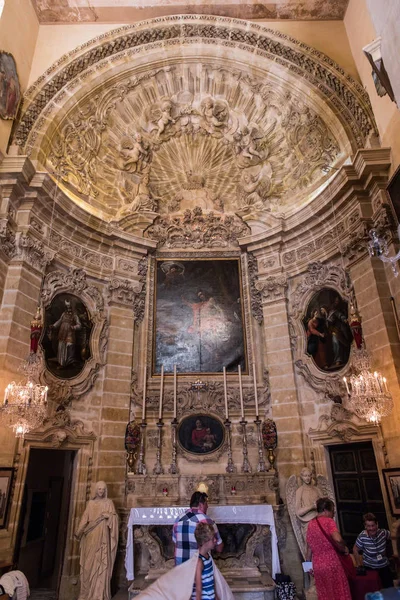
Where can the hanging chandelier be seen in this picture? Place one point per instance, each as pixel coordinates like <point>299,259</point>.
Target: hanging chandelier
<point>378,247</point>
<point>368,394</point>
<point>25,404</point>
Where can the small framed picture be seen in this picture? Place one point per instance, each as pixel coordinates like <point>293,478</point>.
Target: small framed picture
<point>6,475</point>
<point>392,482</point>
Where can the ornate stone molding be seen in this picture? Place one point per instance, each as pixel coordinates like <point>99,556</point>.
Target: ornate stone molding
<point>59,430</point>
<point>139,302</point>
<point>329,387</point>
<point>272,288</point>
<point>74,282</point>
<point>32,252</point>
<point>122,291</point>
<point>197,230</point>
<point>7,239</point>
<point>341,424</point>
<point>357,245</point>
<point>350,100</point>
<point>255,294</point>
<point>88,258</point>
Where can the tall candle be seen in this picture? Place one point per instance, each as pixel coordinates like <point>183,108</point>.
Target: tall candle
<point>226,395</point>
<point>174,391</point>
<point>144,393</point>
<point>161,393</point>
<point>255,389</point>
<point>241,392</point>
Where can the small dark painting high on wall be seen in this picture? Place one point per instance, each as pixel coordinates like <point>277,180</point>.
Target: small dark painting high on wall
<point>328,334</point>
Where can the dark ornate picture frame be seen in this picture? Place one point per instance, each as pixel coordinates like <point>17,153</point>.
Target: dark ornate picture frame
<point>201,434</point>
<point>198,316</point>
<point>392,483</point>
<point>6,477</point>
<point>10,91</point>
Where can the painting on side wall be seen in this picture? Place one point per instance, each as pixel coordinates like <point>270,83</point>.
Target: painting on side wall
<point>200,434</point>
<point>392,482</point>
<point>328,334</point>
<point>10,91</point>
<point>6,475</point>
<point>198,319</point>
<point>66,338</point>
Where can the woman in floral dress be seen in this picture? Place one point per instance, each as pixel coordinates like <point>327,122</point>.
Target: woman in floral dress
<point>330,579</point>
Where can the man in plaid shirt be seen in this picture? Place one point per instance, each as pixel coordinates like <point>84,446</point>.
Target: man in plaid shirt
<point>183,530</point>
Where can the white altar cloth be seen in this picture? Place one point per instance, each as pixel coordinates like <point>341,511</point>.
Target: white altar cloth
<point>255,514</point>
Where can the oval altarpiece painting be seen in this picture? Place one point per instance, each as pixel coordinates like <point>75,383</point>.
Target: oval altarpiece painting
<point>200,434</point>
<point>66,337</point>
<point>328,333</point>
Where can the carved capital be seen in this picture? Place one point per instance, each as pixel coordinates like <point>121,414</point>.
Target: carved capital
<point>32,252</point>
<point>122,291</point>
<point>272,288</point>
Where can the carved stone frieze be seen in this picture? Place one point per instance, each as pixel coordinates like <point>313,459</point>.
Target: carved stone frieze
<point>89,258</point>
<point>59,430</point>
<point>341,423</point>
<point>7,239</point>
<point>272,288</point>
<point>255,294</point>
<point>357,244</point>
<point>139,301</point>
<point>197,230</point>
<point>75,282</point>
<point>122,291</point>
<point>32,252</point>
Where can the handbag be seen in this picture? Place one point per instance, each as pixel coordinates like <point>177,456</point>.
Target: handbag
<point>345,559</point>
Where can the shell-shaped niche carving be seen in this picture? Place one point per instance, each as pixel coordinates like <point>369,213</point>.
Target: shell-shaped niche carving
<point>191,135</point>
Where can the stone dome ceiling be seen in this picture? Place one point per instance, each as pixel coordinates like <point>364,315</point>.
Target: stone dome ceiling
<point>169,125</point>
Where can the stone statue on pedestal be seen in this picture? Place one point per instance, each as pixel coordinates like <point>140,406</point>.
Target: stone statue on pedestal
<point>301,502</point>
<point>98,536</point>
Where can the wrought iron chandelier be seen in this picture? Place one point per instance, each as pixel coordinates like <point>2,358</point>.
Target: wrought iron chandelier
<point>25,404</point>
<point>378,247</point>
<point>368,394</point>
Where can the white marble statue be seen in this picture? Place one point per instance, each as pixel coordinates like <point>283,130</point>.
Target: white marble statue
<point>98,536</point>
<point>301,502</point>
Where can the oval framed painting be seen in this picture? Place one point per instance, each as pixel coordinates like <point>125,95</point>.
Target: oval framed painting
<point>201,434</point>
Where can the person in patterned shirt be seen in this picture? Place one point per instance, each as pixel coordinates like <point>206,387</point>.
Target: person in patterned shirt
<point>185,526</point>
<point>371,544</point>
<point>204,585</point>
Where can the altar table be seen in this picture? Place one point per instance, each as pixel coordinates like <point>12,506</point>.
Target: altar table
<point>255,514</point>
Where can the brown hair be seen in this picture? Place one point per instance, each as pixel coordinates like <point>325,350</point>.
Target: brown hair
<point>325,504</point>
<point>198,498</point>
<point>203,533</point>
<point>369,517</point>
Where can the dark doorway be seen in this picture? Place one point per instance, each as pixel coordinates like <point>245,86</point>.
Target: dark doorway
<point>357,488</point>
<point>44,517</point>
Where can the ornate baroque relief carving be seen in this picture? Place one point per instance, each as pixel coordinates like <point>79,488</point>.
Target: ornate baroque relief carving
<point>74,282</point>
<point>31,251</point>
<point>197,230</point>
<point>255,294</point>
<point>122,291</point>
<point>272,288</point>
<point>7,239</point>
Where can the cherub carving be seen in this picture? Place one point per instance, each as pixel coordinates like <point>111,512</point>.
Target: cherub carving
<point>165,118</point>
<point>254,188</point>
<point>301,502</point>
<point>132,152</point>
<point>215,114</point>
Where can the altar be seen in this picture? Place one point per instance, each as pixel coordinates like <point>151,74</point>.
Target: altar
<point>249,560</point>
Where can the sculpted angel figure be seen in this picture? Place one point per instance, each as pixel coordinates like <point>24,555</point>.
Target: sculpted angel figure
<point>215,114</point>
<point>301,502</point>
<point>142,201</point>
<point>254,188</point>
<point>165,118</point>
<point>131,152</point>
<point>98,536</point>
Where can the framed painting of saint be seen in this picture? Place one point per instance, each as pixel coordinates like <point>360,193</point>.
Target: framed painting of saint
<point>198,320</point>
<point>10,92</point>
<point>328,334</point>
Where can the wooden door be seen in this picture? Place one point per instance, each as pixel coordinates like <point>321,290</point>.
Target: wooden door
<point>357,488</point>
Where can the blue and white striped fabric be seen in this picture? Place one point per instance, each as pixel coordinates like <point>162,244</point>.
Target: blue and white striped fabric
<point>374,548</point>
<point>207,580</point>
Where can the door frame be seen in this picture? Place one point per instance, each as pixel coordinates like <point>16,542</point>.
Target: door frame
<point>67,435</point>
<point>343,427</point>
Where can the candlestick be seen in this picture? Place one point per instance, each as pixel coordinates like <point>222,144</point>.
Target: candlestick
<point>241,392</point>
<point>161,392</point>
<point>144,393</point>
<point>226,396</point>
<point>255,389</point>
<point>174,391</point>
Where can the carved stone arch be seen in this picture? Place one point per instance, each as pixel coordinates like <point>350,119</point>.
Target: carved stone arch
<point>60,432</point>
<point>318,276</point>
<point>74,122</point>
<point>74,282</point>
